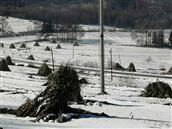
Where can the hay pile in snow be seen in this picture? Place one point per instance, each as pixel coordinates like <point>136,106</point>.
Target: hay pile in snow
<point>12,46</point>
<point>22,45</point>
<point>117,66</point>
<point>64,87</point>
<point>36,44</point>
<point>31,57</point>
<point>58,46</point>
<point>47,48</point>
<point>44,70</point>
<point>4,65</point>
<point>131,68</point>
<point>9,61</point>
<point>170,71</point>
<point>158,89</point>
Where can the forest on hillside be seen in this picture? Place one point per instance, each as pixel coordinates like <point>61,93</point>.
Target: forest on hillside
<point>120,13</point>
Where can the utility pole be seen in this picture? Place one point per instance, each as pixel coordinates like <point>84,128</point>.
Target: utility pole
<point>52,60</point>
<point>111,62</point>
<point>73,51</point>
<point>102,49</point>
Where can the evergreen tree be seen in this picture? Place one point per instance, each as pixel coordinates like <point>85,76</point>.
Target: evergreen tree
<point>47,27</point>
<point>154,39</point>
<point>44,26</point>
<point>170,38</point>
<point>50,27</point>
<point>160,38</point>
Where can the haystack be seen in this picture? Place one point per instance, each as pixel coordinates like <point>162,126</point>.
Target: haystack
<point>12,46</point>
<point>131,68</point>
<point>47,48</point>
<point>4,65</point>
<point>64,87</point>
<point>117,66</point>
<point>58,46</point>
<point>170,71</point>
<point>31,57</point>
<point>22,45</point>
<point>158,89</point>
<point>44,70</point>
<point>36,44</point>
<point>9,61</point>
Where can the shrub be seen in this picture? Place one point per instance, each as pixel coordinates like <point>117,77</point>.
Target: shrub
<point>4,65</point>
<point>131,68</point>
<point>58,46</point>
<point>63,87</point>
<point>9,61</point>
<point>36,44</point>
<point>117,66</point>
<point>83,81</point>
<point>31,57</point>
<point>158,89</point>
<point>169,71</point>
<point>47,48</point>
<point>44,70</point>
<point>12,46</point>
<point>22,45</point>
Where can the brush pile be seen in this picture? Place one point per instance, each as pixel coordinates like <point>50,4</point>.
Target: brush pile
<point>63,87</point>
<point>158,90</point>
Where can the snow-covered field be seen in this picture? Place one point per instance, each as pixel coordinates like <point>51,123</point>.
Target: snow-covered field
<point>21,25</point>
<point>123,103</point>
<point>152,60</point>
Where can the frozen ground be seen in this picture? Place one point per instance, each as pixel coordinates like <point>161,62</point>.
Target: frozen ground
<point>123,103</point>
<point>127,109</point>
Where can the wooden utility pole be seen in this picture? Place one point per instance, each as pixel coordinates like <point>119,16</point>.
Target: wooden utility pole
<point>111,62</point>
<point>52,60</point>
<point>102,49</point>
<point>73,51</point>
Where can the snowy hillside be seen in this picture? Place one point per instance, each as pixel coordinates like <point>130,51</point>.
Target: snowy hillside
<point>21,25</point>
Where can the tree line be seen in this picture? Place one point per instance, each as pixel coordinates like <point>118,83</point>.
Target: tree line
<point>65,33</point>
<point>150,38</point>
<point>121,13</point>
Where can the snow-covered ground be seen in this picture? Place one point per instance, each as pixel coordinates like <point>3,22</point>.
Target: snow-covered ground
<point>123,103</point>
<point>95,28</point>
<point>21,25</point>
<point>152,60</point>
<point>127,109</point>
